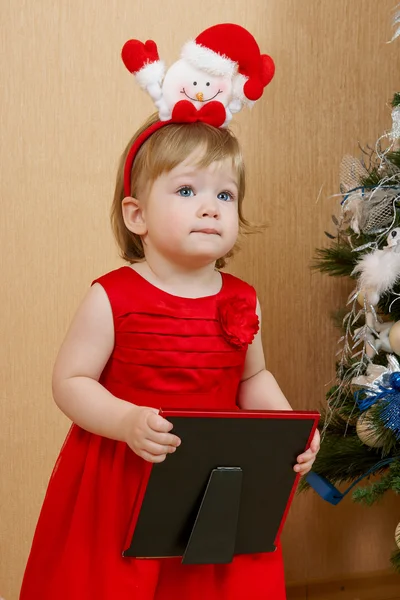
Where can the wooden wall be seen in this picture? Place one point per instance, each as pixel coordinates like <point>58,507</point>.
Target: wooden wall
<point>68,108</point>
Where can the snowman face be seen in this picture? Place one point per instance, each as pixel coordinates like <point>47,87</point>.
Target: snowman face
<point>184,82</point>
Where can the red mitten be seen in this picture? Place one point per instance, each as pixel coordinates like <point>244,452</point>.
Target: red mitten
<point>136,55</point>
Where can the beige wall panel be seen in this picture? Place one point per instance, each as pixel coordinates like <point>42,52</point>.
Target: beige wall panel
<point>68,108</point>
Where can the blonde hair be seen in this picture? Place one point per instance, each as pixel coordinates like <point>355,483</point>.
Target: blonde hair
<point>160,153</point>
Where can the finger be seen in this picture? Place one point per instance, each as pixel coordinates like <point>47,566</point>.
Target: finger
<point>165,439</point>
<point>158,423</point>
<point>151,457</point>
<point>315,444</point>
<point>305,456</point>
<point>302,469</point>
<point>157,449</point>
<point>305,469</point>
<point>308,463</point>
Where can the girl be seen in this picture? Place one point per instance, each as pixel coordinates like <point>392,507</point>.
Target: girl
<point>160,331</point>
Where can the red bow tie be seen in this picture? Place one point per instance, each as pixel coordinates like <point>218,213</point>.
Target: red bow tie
<point>212,113</point>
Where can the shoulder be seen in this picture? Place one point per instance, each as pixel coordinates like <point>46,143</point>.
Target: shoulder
<point>90,338</point>
<point>112,278</point>
<point>119,286</point>
<point>234,286</point>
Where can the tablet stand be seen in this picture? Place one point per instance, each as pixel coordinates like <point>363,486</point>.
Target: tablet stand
<point>213,536</point>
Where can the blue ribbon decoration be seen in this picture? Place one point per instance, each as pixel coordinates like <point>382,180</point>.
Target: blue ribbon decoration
<point>390,394</point>
<point>329,492</point>
<point>363,401</point>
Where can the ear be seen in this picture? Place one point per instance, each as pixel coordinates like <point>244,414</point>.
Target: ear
<point>133,215</point>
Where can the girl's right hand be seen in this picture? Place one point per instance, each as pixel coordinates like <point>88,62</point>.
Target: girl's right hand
<point>147,434</point>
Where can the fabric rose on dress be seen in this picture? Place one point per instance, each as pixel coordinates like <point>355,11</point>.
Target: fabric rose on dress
<point>239,322</point>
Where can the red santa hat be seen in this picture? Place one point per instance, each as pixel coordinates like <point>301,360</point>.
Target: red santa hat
<point>230,50</point>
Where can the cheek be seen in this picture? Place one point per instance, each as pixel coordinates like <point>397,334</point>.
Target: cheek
<point>172,214</point>
<point>232,219</point>
<point>225,87</point>
<point>235,227</point>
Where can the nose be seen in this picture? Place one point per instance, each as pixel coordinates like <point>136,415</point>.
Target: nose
<point>210,208</point>
<point>199,96</point>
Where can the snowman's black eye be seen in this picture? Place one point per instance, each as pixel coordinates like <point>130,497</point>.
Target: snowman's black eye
<point>394,233</point>
<point>194,82</point>
<point>208,83</point>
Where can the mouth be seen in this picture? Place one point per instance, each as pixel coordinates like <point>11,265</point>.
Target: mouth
<point>207,231</point>
<point>196,100</point>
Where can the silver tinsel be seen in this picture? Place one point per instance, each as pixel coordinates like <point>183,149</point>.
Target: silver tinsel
<point>395,133</point>
<point>365,210</point>
<point>376,375</point>
<point>396,23</point>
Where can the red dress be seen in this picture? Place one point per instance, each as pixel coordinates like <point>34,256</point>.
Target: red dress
<point>169,352</point>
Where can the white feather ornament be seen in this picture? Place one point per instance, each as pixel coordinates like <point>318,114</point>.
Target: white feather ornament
<point>380,270</point>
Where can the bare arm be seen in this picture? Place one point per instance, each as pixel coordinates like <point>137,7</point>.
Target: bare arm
<point>80,361</point>
<point>76,390</point>
<point>258,389</point>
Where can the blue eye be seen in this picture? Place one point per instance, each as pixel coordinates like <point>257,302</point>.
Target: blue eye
<point>225,196</point>
<point>186,192</point>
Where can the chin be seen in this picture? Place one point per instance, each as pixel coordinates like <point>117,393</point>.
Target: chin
<point>201,260</point>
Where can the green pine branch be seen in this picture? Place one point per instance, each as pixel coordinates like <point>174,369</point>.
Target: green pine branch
<point>389,303</point>
<point>374,492</point>
<point>395,560</point>
<point>342,459</point>
<point>336,261</point>
<point>372,179</point>
<point>394,158</point>
<point>396,484</point>
<point>396,99</point>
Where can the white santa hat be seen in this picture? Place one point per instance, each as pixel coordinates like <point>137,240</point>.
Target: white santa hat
<point>230,51</point>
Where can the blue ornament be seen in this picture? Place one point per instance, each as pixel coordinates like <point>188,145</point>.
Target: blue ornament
<point>390,415</point>
<point>388,394</point>
<point>395,381</point>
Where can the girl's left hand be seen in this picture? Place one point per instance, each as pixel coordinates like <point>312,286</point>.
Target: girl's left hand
<point>305,461</point>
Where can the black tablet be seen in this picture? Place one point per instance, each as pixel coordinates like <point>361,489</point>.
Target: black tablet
<point>226,490</point>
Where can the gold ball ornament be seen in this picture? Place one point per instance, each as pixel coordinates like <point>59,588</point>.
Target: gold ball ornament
<point>367,296</point>
<point>367,433</point>
<point>394,337</point>
<point>397,536</point>
<point>361,298</point>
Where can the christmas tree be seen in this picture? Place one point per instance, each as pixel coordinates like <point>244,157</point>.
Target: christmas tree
<point>361,423</point>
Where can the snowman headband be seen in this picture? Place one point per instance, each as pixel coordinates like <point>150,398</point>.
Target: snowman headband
<point>218,73</point>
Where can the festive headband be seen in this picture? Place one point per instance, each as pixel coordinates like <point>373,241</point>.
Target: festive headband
<point>218,73</point>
